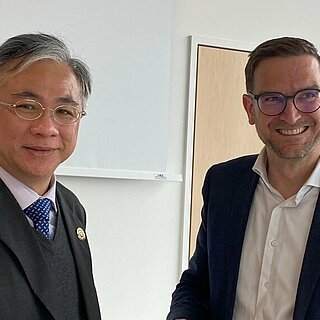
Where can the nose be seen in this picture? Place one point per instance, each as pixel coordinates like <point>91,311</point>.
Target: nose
<point>45,125</point>
<point>290,114</point>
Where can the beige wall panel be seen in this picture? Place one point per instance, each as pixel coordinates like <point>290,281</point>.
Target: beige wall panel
<point>221,128</point>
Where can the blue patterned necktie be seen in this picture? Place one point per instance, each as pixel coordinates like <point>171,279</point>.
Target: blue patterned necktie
<point>38,212</point>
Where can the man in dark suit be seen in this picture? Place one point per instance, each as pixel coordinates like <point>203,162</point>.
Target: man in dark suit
<point>258,247</point>
<point>45,262</point>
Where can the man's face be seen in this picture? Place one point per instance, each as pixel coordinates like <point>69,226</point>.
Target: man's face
<point>291,134</point>
<point>32,150</point>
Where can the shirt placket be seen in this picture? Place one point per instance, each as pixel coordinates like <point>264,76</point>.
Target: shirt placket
<point>271,243</point>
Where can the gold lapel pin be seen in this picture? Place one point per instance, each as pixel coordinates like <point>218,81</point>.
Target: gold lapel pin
<point>81,234</point>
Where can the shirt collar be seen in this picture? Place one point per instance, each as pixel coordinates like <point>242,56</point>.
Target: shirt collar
<point>25,195</point>
<point>260,166</point>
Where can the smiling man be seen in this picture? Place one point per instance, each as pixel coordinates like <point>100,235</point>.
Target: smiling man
<point>258,247</point>
<point>45,268</point>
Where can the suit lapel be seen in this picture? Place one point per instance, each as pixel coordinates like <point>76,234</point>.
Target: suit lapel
<point>310,270</point>
<point>70,212</point>
<point>17,234</point>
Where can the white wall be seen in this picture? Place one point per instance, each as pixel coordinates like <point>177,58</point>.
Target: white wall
<point>133,230</point>
<point>135,226</point>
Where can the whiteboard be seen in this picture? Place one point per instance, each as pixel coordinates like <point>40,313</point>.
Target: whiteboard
<point>127,47</point>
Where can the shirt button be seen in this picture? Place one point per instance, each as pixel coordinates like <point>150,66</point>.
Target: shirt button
<point>267,285</point>
<point>274,243</point>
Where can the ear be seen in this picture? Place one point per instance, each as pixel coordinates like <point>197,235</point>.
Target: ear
<point>249,108</point>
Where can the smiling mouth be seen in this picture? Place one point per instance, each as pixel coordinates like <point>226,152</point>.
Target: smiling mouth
<point>292,132</point>
<point>40,150</point>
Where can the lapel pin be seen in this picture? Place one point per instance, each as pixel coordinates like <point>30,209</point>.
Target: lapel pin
<point>81,234</point>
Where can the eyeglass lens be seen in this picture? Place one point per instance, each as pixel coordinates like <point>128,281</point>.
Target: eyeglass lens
<point>274,103</point>
<point>31,110</point>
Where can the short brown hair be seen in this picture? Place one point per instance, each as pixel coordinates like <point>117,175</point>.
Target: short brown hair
<point>279,47</point>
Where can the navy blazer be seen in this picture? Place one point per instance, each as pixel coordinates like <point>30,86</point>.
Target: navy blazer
<point>27,288</point>
<point>207,289</point>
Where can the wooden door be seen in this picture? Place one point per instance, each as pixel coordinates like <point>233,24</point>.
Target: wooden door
<point>221,128</point>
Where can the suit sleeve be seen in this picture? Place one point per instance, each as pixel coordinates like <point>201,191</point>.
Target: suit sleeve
<point>190,299</point>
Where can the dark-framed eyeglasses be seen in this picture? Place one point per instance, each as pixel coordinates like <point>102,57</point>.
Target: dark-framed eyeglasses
<point>273,103</point>
<point>28,109</point>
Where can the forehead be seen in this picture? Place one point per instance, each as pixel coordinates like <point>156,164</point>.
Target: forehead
<point>45,78</point>
<point>286,74</point>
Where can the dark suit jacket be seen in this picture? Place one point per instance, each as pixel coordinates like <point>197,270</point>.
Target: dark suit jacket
<point>27,289</point>
<point>207,289</point>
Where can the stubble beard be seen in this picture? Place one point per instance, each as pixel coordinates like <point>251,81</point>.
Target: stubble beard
<point>289,153</point>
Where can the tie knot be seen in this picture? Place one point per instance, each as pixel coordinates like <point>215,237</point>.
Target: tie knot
<point>38,212</point>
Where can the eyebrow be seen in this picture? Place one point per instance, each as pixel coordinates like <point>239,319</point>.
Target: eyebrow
<point>311,87</point>
<point>32,95</point>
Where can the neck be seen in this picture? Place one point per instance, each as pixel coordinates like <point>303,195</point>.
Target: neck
<point>288,176</point>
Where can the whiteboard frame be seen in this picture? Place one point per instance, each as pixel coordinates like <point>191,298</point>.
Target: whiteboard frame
<point>117,174</point>
<point>197,41</point>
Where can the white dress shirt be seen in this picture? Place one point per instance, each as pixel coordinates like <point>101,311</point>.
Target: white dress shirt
<point>25,196</point>
<point>273,248</point>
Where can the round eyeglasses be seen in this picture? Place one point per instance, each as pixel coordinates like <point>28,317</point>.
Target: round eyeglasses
<point>31,110</point>
<point>273,103</point>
